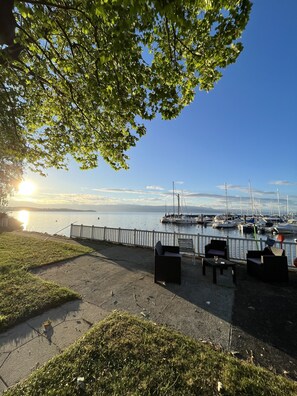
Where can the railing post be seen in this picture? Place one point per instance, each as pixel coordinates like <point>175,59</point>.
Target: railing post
<point>153,239</point>
<point>119,235</point>
<point>71,230</point>
<point>229,250</point>
<point>198,244</point>
<point>80,231</point>
<point>104,234</point>
<point>92,233</point>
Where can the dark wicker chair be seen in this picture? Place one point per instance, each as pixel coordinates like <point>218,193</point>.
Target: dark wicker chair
<point>218,248</point>
<point>269,265</point>
<point>167,263</point>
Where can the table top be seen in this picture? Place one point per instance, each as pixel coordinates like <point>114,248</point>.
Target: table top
<point>220,263</point>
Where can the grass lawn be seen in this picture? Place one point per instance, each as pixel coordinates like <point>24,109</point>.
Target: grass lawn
<point>124,355</point>
<point>23,250</point>
<point>23,295</point>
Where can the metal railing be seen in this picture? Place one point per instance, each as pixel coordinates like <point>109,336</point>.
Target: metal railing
<point>238,247</point>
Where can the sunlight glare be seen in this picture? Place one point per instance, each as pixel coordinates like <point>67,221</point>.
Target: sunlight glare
<point>26,187</point>
<point>23,217</point>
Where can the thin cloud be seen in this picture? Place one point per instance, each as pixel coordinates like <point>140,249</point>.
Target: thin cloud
<point>246,189</point>
<point>283,183</point>
<point>155,188</point>
<point>119,190</point>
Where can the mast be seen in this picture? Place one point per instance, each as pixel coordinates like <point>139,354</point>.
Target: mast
<point>173,207</point>
<point>251,198</point>
<point>278,202</point>
<point>226,201</point>
<point>178,204</point>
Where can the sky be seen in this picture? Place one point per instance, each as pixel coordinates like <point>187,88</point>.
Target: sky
<point>238,141</point>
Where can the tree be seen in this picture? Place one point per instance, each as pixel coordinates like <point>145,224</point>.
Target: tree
<point>12,144</point>
<point>84,75</point>
<point>11,172</point>
<point>10,176</point>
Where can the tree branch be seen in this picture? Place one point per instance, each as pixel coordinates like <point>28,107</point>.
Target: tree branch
<point>50,4</point>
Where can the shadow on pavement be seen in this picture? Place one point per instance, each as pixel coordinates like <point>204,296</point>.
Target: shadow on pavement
<point>264,316</point>
<point>264,322</point>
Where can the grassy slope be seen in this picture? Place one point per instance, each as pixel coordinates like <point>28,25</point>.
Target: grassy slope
<point>22,294</point>
<point>124,355</point>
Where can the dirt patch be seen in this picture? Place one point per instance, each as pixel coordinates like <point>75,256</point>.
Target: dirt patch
<point>264,320</point>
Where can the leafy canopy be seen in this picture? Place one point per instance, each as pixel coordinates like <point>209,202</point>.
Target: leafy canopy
<point>11,146</point>
<point>90,72</point>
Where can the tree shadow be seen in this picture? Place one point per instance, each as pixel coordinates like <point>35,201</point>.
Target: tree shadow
<point>265,322</point>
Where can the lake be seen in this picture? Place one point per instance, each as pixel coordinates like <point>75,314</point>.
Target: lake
<point>59,223</point>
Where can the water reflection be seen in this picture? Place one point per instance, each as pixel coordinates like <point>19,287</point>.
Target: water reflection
<point>23,217</point>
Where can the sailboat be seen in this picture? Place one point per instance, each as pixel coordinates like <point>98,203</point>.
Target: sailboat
<point>178,218</point>
<point>224,221</point>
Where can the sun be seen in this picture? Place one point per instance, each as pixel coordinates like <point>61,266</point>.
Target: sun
<point>26,187</point>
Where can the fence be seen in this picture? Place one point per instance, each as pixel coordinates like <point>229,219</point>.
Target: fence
<point>142,238</point>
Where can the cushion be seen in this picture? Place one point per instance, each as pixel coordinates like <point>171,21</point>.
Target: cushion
<point>277,251</point>
<point>159,248</point>
<point>172,254</point>
<point>216,252</point>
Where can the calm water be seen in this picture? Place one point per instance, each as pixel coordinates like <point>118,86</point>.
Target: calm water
<point>59,223</point>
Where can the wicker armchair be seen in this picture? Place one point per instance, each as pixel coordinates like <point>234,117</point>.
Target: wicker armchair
<point>218,248</point>
<point>167,263</point>
<point>269,265</point>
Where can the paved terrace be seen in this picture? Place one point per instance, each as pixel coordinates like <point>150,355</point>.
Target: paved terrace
<point>122,278</point>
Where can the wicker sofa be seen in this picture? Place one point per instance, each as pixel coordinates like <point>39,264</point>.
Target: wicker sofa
<point>269,265</point>
<point>167,263</point>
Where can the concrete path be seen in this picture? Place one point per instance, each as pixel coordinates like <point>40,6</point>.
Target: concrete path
<point>122,278</point>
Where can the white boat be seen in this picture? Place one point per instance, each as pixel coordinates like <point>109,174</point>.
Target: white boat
<point>287,228</point>
<point>273,219</point>
<point>201,219</point>
<point>224,224</point>
<point>226,220</point>
<point>178,218</point>
<point>185,219</point>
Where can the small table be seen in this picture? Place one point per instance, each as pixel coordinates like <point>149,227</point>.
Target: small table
<point>221,264</point>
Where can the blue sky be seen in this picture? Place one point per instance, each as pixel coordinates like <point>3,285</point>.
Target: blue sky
<point>242,133</point>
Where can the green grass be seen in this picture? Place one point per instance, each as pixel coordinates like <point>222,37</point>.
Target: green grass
<point>23,295</point>
<point>124,355</point>
<point>27,251</point>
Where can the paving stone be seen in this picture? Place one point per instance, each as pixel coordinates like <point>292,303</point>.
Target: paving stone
<point>91,313</point>
<point>3,357</point>
<point>67,332</point>
<point>22,361</point>
<point>56,316</point>
<point>2,386</point>
<point>16,337</point>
